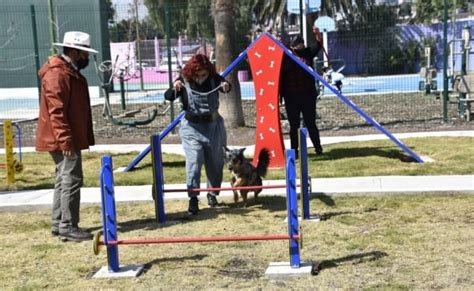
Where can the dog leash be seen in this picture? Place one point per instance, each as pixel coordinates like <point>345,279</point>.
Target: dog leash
<point>188,88</point>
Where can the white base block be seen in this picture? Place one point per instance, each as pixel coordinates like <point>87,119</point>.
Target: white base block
<point>313,218</point>
<point>120,169</point>
<point>281,270</point>
<point>123,272</point>
<point>427,159</point>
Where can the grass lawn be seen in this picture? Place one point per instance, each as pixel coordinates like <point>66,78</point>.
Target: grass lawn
<point>392,242</point>
<point>451,155</point>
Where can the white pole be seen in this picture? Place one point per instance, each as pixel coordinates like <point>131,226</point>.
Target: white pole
<point>325,45</point>
<point>466,36</point>
<point>157,52</point>
<point>180,50</point>
<point>452,59</point>
<point>305,34</point>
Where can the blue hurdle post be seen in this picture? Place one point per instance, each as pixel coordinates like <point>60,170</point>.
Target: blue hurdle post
<point>292,206</point>
<point>158,180</point>
<point>304,179</point>
<point>109,214</point>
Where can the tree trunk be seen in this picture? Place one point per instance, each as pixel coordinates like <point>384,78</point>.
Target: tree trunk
<point>230,104</point>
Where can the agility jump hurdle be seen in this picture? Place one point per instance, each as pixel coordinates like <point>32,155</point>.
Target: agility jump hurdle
<point>159,190</point>
<point>109,220</point>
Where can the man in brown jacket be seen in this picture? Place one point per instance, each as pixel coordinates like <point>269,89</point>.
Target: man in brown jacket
<point>65,128</point>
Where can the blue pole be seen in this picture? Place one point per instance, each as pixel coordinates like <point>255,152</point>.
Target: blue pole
<point>292,206</point>
<point>19,139</point>
<point>158,180</point>
<point>304,172</point>
<point>348,102</point>
<point>109,214</point>
<point>145,152</point>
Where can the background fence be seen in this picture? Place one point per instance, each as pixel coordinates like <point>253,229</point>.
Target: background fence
<point>138,46</point>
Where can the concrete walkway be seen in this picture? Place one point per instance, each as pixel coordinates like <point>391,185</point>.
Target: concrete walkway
<point>325,140</point>
<point>328,186</point>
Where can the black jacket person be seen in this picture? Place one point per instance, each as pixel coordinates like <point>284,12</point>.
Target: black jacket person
<point>298,90</point>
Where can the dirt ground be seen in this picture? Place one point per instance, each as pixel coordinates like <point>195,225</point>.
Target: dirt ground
<point>395,112</point>
<point>407,114</point>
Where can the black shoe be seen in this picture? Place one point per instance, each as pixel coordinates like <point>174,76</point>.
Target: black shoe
<point>55,232</point>
<point>212,200</point>
<point>193,207</point>
<point>318,150</point>
<point>74,234</point>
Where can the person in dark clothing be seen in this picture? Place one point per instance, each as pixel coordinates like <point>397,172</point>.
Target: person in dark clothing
<point>202,130</point>
<point>298,90</point>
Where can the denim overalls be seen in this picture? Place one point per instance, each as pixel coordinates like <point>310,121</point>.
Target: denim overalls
<point>203,139</point>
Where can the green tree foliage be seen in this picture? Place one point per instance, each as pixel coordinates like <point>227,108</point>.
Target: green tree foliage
<point>178,15</point>
<point>110,10</point>
<point>190,18</point>
<point>428,11</point>
<point>199,18</point>
<point>364,17</point>
<point>369,25</point>
<point>125,30</point>
<point>267,13</point>
<point>193,18</point>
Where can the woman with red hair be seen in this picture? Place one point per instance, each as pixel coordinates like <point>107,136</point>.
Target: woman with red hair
<point>202,130</point>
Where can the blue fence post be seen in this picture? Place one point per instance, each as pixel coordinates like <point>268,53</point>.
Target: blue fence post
<point>304,180</point>
<point>292,206</point>
<point>109,214</point>
<point>158,180</point>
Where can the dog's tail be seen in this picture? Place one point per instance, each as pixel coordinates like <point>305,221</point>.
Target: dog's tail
<point>263,162</point>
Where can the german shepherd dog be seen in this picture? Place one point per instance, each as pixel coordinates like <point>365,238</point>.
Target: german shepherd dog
<point>244,173</point>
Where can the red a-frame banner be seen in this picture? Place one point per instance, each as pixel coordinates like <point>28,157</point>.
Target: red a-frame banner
<point>265,59</point>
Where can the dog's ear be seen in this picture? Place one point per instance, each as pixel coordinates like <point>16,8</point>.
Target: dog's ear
<point>226,149</point>
<point>242,150</point>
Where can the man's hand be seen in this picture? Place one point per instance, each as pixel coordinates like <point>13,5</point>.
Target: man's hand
<point>68,154</point>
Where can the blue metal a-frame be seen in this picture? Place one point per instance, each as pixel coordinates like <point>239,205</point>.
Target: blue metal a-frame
<point>311,72</point>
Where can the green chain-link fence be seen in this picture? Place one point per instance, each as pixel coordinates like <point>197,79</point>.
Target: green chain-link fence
<point>138,48</point>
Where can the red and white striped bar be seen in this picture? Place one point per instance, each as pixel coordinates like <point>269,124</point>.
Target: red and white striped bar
<point>226,188</point>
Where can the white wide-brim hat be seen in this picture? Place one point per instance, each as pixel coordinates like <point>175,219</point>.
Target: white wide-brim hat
<point>77,40</point>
